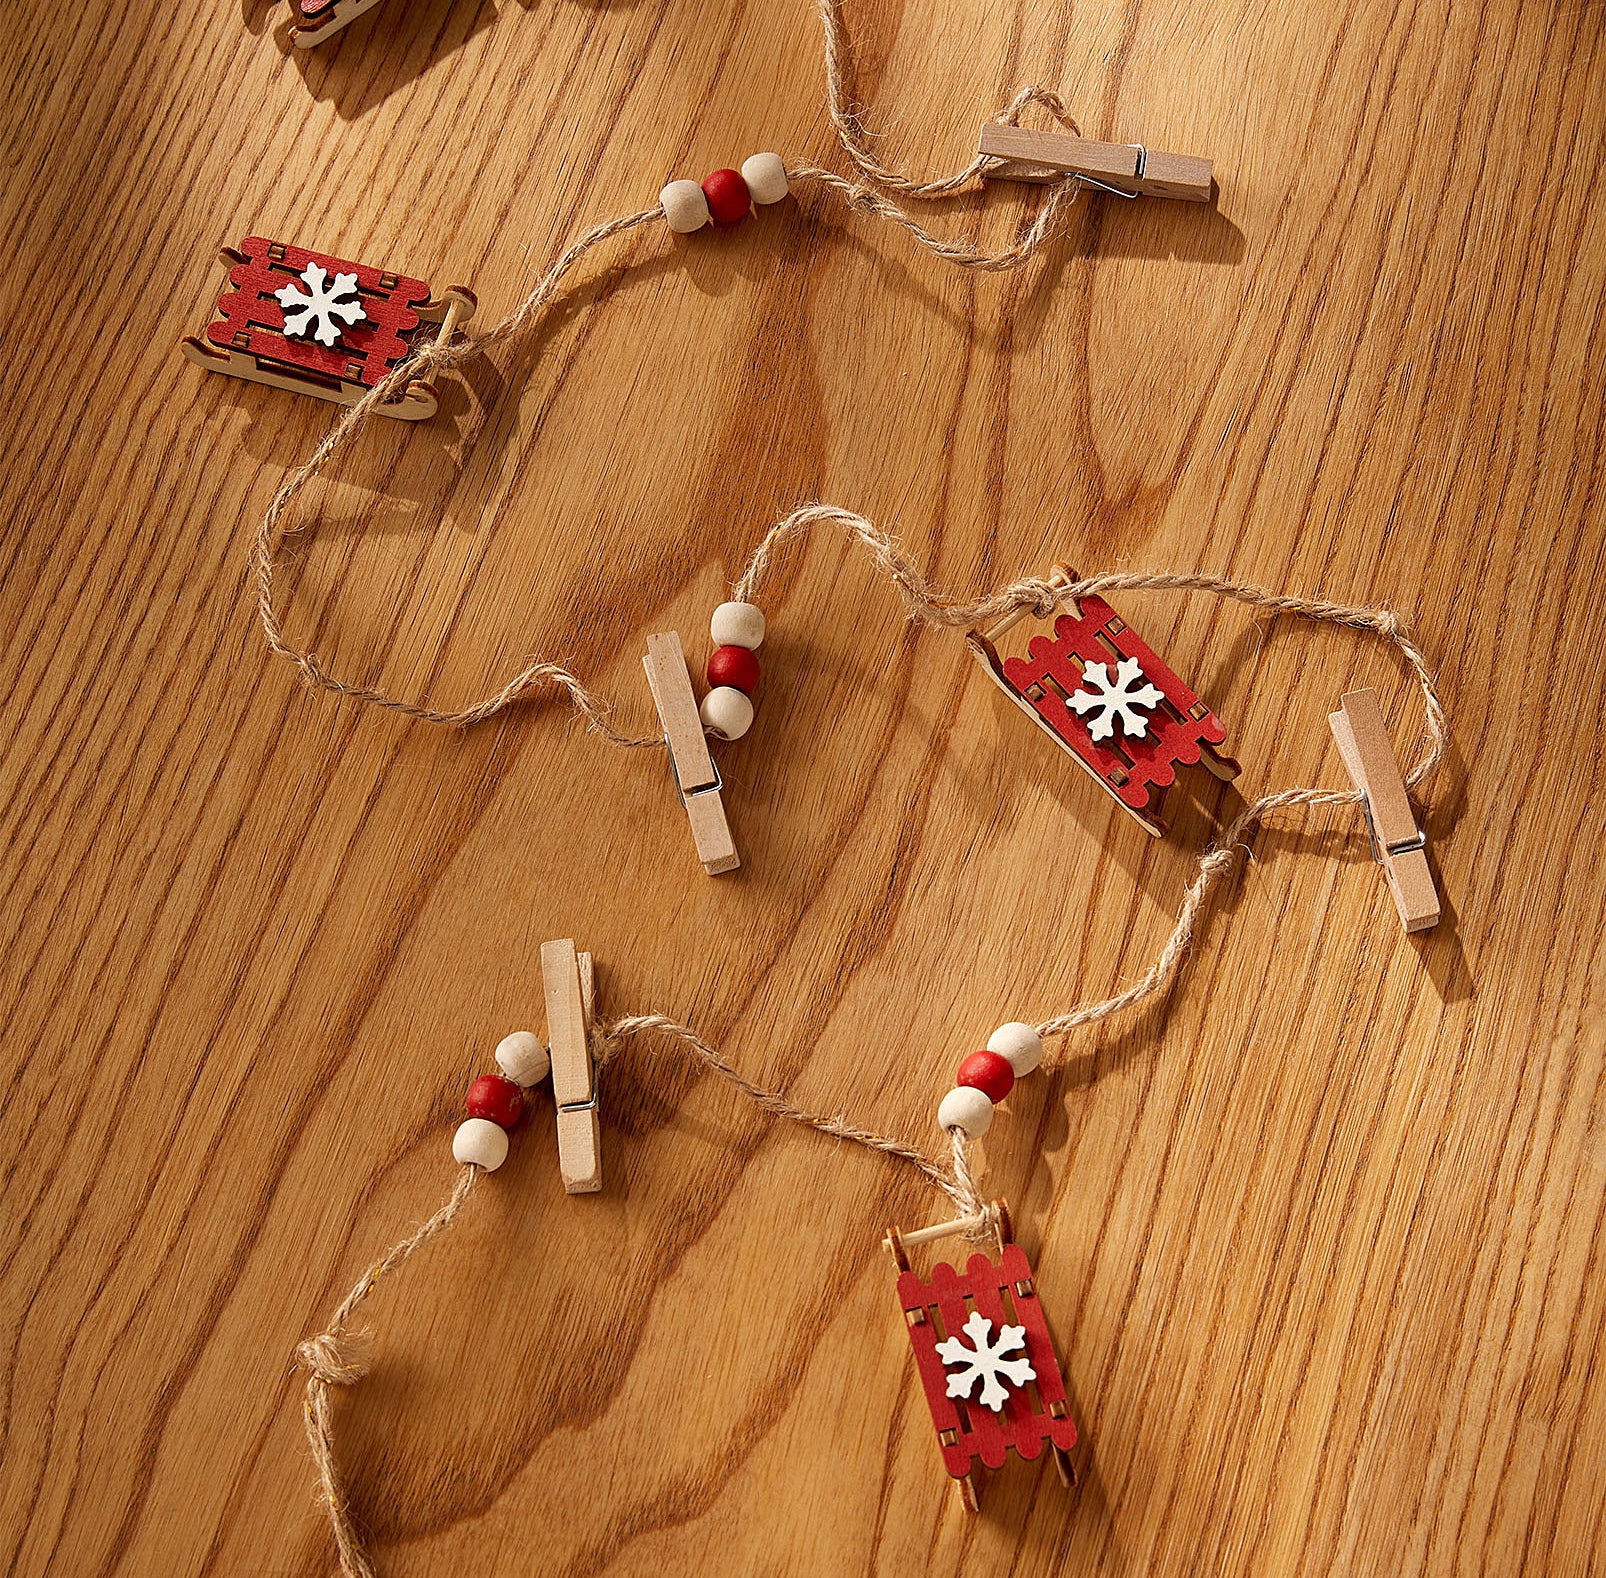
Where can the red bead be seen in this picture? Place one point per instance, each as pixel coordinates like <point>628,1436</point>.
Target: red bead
<point>728,197</point>
<point>733,666</point>
<point>500,1100</point>
<point>988,1072</point>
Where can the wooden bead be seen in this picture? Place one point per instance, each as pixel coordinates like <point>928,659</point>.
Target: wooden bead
<point>738,625</point>
<point>727,712</point>
<point>729,201</point>
<point>765,176</point>
<point>965,1107</point>
<point>522,1058</point>
<point>988,1072</point>
<point>1020,1044</point>
<point>500,1100</point>
<point>685,207</point>
<point>481,1142</point>
<point>733,666</point>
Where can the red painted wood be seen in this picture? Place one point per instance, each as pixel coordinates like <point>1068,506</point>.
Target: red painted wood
<point>988,1072</point>
<point>734,666</point>
<point>1024,1422</point>
<point>253,321</point>
<point>1054,670</point>
<point>491,1096</point>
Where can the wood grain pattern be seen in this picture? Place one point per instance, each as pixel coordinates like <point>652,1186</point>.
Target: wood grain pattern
<point>1321,1242</point>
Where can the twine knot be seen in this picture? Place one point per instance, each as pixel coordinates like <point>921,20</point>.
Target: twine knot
<point>605,1040</point>
<point>984,1227</point>
<point>324,1359</point>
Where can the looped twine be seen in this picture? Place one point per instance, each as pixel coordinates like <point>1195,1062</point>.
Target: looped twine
<point>324,1359</point>
<point>986,163</point>
<point>848,121</point>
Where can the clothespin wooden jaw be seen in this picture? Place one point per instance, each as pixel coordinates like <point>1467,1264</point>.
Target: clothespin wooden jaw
<point>569,985</point>
<point>1126,169</point>
<point>697,780</point>
<point>1398,844</point>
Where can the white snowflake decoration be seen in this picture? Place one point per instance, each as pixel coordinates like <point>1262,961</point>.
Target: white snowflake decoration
<point>985,1359</point>
<point>321,307</point>
<point>1119,698</point>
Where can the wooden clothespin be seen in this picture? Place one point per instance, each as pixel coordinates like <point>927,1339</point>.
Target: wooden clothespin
<point>1127,169</point>
<point>1398,844</point>
<point>697,780</point>
<point>569,985</point>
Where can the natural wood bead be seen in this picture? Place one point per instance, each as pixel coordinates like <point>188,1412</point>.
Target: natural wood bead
<point>965,1107</point>
<point>988,1072</point>
<point>491,1096</point>
<point>522,1058</point>
<point>733,666</point>
<point>685,207</point>
<point>727,712</point>
<point>1020,1044</point>
<point>765,176</point>
<point>738,625</point>
<point>481,1142</point>
<point>729,201</point>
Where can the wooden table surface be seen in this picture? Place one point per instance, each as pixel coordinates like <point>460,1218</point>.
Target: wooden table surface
<point>1321,1238</point>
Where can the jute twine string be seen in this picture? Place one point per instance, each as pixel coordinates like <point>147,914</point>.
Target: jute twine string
<point>849,127</point>
<point>926,605</point>
<point>614,1036</point>
<point>331,1358</point>
<point>436,356</point>
<point>541,674</point>
<point>328,1357</point>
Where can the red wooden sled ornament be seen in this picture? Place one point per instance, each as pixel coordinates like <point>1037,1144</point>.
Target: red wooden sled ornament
<point>942,1318</point>
<point>1082,687</point>
<point>317,20</point>
<point>251,339</point>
